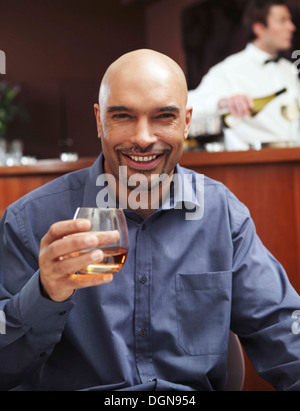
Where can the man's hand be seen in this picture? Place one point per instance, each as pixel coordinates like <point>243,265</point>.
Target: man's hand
<point>60,259</point>
<point>239,105</point>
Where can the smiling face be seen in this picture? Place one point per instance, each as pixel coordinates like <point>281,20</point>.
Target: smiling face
<point>142,119</point>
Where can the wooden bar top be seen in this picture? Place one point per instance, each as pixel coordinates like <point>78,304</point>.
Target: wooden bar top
<point>265,155</point>
<point>50,166</point>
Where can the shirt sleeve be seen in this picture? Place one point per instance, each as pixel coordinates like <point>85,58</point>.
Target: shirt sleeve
<point>31,324</point>
<point>264,306</point>
<point>205,97</point>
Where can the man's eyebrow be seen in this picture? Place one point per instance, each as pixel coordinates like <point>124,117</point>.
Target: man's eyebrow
<point>113,109</point>
<point>167,108</point>
<point>116,109</point>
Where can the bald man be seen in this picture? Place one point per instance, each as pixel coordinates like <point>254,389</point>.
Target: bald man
<point>195,267</point>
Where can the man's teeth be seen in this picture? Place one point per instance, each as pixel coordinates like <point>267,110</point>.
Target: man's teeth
<point>143,159</point>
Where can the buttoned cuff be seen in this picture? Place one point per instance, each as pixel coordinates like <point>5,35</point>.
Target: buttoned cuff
<point>40,313</point>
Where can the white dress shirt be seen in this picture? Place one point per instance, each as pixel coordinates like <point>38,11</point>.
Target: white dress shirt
<point>246,73</point>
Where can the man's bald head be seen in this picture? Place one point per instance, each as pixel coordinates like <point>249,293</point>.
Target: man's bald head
<point>143,64</point>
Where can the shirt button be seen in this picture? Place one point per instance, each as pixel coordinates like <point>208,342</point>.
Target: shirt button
<point>143,332</point>
<point>144,227</point>
<point>143,279</point>
<point>43,355</point>
<point>63,313</point>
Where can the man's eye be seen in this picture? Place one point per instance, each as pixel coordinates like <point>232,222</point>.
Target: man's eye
<point>166,115</point>
<point>121,116</point>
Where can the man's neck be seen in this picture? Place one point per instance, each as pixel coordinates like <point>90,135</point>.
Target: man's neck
<point>264,47</point>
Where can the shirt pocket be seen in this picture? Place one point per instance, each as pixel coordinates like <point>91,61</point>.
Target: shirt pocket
<point>203,308</point>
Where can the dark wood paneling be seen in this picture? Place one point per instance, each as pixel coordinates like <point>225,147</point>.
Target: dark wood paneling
<point>17,181</point>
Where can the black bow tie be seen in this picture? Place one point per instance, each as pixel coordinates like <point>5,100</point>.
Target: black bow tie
<point>272,60</point>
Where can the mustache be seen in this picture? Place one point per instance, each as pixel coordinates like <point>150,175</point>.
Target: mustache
<point>151,149</point>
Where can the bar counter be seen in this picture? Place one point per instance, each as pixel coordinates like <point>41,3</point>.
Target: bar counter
<point>18,180</point>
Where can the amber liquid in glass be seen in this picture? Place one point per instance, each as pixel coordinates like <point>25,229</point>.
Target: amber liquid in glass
<point>113,261</point>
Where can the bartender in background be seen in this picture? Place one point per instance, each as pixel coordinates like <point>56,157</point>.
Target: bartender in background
<point>255,72</point>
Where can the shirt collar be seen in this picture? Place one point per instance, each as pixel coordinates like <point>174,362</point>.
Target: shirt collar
<point>259,55</point>
<point>188,189</point>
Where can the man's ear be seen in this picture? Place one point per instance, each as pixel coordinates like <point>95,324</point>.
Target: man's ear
<point>188,120</point>
<point>258,29</point>
<point>97,115</point>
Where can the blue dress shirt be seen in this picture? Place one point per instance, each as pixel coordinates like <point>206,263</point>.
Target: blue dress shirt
<point>163,322</point>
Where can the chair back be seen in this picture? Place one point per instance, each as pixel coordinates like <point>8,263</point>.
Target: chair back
<point>235,364</point>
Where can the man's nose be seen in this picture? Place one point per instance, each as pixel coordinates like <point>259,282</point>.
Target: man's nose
<point>143,134</point>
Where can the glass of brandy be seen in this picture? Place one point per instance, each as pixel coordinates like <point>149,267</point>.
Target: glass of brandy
<point>106,219</point>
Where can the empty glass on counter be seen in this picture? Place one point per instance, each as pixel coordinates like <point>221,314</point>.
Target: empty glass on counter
<point>205,124</point>
<point>11,154</point>
<point>3,151</point>
<point>15,152</point>
<point>206,129</point>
